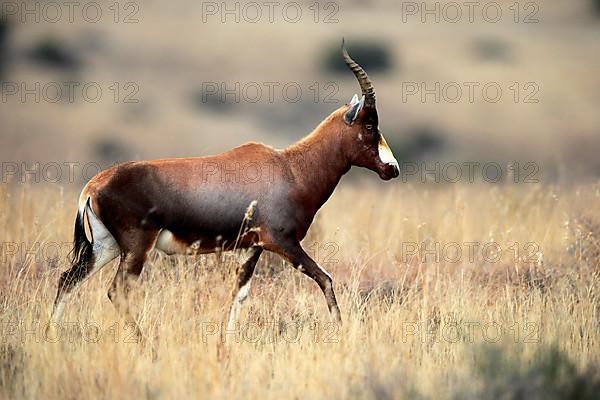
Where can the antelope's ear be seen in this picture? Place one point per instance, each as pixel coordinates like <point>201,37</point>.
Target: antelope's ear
<point>355,107</point>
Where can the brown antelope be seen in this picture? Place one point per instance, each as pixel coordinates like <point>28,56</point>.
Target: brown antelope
<point>190,205</point>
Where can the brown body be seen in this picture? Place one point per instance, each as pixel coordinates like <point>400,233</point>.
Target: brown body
<point>253,197</point>
<point>201,199</point>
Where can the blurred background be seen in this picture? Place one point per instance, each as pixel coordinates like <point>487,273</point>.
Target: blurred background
<point>105,82</point>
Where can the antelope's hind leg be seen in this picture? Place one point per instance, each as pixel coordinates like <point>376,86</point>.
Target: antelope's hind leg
<point>134,252</point>
<point>242,285</point>
<point>240,292</point>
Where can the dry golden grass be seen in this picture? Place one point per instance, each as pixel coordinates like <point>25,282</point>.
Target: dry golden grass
<point>401,310</point>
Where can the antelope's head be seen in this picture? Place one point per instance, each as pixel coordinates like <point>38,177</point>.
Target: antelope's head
<point>365,145</point>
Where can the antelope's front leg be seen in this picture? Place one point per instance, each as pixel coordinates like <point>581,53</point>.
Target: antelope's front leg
<point>303,263</point>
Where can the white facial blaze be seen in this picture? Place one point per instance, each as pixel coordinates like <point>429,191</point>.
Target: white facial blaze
<point>385,153</point>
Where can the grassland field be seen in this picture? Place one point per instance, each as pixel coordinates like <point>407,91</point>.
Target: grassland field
<point>447,291</point>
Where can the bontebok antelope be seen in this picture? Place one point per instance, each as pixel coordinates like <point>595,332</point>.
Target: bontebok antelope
<point>191,205</point>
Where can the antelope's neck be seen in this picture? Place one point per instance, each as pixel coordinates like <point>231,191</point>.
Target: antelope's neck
<point>318,162</point>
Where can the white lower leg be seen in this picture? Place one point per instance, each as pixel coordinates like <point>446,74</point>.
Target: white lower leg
<point>59,309</point>
<point>235,308</point>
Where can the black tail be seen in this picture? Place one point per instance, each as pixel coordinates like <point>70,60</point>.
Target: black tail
<point>82,248</point>
<point>80,256</point>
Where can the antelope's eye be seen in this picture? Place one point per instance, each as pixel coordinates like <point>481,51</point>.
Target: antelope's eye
<point>369,127</point>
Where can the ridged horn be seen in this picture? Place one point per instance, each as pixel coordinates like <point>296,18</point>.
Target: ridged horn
<point>363,79</point>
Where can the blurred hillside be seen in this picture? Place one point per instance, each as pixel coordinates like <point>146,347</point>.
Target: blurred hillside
<point>162,68</point>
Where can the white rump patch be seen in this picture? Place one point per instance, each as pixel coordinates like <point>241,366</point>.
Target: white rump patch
<point>385,153</point>
<point>104,244</point>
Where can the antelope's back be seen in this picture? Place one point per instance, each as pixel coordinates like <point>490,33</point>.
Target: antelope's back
<point>194,198</point>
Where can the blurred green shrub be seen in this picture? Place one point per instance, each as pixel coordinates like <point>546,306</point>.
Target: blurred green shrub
<point>216,102</point>
<point>415,144</point>
<point>4,30</point>
<point>53,53</point>
<point>503,373</point>
<point>491,49</point>
<point>110,151</point>
<point>372,55</point>
<point>497,372</point>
